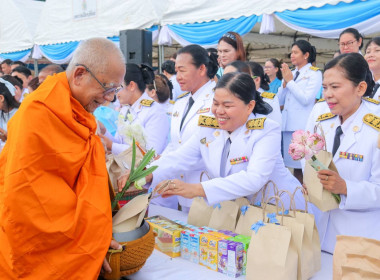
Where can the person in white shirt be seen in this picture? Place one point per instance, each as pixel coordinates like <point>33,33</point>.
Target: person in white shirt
<point>351,132</point>
<point>350,41</point>
<point>139,109</point>
<point>297,95</point>
<point>372,55</point>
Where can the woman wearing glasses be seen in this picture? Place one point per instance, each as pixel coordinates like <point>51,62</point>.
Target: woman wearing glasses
<point>230,48</point>
<point>139,111</point>
<point>372,55</point>
<point>297,95</point>
<point>350,41</point>
<point>272,69</point>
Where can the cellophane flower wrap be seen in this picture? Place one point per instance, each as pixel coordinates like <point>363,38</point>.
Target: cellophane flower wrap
<point>306,145</point>
<point>130,128</point>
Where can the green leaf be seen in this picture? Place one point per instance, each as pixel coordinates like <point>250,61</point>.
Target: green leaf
<point>146,159</point>
<point>133,156</point>
<point>145,173</point>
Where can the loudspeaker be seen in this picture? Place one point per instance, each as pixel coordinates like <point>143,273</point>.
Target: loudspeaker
<point>136,45</point>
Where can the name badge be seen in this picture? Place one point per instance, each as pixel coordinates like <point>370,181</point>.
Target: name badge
<point>238,160</point>
<point>203,110</point>
<point>351,156</point>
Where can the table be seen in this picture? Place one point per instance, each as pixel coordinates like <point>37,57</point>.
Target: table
<point>161,266</point>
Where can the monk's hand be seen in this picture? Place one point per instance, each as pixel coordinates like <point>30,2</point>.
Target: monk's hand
<point>3,135</point>
<point>107,142</point>
<point>178,187</point>
<point>122,180</point>
<point>106,266</point>
<point>332,182</point>
<point>286,73</point>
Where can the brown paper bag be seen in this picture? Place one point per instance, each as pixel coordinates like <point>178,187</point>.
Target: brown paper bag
<point>241,201</point>
<point>272,253</point>
<point>249,216</point>
<point>117,165</point>
<point>355,273</point>
<point>320,197</point>
<point>224,216</point>
<point>353,245</point>
<point>199,213</point>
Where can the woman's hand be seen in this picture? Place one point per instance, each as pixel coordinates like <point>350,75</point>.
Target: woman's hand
<point>286,73</point>
<point>122,180</point>
<point>107,142</point>
<point>3,135</point>
<point>106,266</point>
<point>332,182</point>
<point>178,187</point>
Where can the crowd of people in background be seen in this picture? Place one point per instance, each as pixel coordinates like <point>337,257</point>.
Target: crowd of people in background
<point>214,110</point>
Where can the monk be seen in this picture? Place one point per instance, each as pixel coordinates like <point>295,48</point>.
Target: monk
<point>49,70</point>
<point>55,211</point>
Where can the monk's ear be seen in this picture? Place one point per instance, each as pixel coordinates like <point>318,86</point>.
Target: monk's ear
<point>78,75</point>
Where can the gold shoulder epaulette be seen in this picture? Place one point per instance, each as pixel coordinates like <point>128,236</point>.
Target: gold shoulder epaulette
<point>325,117</point>
<point>183,95</point>
<point>372,120</point>
<point>321,100</point>
<point>206,121</point>
<point>314,68</point>
<point>268,95</point>
<point>146,102</point>
<point>374,101</point>
<point>256,123</point>
<point>171,101</point>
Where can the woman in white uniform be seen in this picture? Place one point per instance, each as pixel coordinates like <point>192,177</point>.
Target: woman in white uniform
<point>139,108</point>
<point>372,55</point>
<point>240,148</point>
<point>195,70</point>
<point>351,132</point>
<point>297,95</point>
<point>8,105</point>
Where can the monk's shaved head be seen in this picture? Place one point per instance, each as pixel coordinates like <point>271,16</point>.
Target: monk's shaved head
<point>49,70</point>
<point>97,54</point>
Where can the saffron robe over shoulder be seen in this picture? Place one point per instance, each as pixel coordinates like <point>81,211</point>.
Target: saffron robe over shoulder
<point>55,212</point>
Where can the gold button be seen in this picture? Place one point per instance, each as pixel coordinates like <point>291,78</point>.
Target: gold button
<point>179,141</point>
<point>181,176</point>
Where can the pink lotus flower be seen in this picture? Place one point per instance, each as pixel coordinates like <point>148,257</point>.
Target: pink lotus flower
<point>305,145</point>
<point>315,142</point>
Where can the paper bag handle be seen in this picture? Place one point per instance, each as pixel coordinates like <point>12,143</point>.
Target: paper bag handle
<point>204,173</point>
<point>318,125</point>
<point>278,199</point>
<point>264,192</point>
<point>305,196</point>
<point>292,206</point>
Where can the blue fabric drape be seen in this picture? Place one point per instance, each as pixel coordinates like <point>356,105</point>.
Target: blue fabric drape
<point>15,55</point>
<point>330,17</point>
<point>209,33</point>
<point>59,51</point>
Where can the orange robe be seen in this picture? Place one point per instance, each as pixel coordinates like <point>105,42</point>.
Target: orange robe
<point>55,212</point>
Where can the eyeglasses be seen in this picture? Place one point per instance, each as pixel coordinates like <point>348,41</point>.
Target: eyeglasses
<point>230,35</point>
<point>268,67</point>
<point>108,88</point>
<point>348,44</point>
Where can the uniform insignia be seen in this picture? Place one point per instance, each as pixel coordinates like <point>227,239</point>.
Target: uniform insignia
<point>268,95</point>
<point>256,123</point>
<point>372,120</point>
<point>238,160</point>
<point>169,113</point>
<point>325,117</point>
<point>203,140</point>
<point>203,110</point>
<point>246,132</point>
<point>183,95</point>
<point>146,102</point>
<point>351,156</point>
<point>355,128</point>
<point>314,68</point>
<point>175,114</point>
<point>206,121</point>
<point>321,100</point>
<point>374,101</point>
<point>171,101</point>
<point>216,133</point>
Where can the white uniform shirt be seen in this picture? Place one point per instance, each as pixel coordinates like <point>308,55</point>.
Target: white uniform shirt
<point>298,97</point>
<point>154,121</point>
<point>359,211</point>
<point>203,98</point>
<point>274,103</point>
<point>377,94</point>
<point>260,147</point>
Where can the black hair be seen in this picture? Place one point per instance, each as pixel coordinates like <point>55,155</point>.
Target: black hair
<point>14,80</point>
<point>163,88</point>
<point>354,32</point>
<point>23,70</point>
<point>212,50</point>
<point>257,70</point>
<point>200,56</point>
<point>142,75</point>
<point>241,66</point>
<point>356,69</point>
<point>9,100</point>
<point>276,64</point>
<point>243,87</point>
<point>7,61</point>
<point>168,66</point>
<point>306,47</point>
<point>375,40</point>
<point>18,62</point>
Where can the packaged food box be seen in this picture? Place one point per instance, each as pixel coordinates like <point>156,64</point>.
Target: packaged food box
<point>203,248</point>
<point>168,235</point>
<point>222,256</point>
<point>194,247</point>
<point>245,240</point>
<point>235,259</point>
<point>185,244</point>
<point>212,253</point>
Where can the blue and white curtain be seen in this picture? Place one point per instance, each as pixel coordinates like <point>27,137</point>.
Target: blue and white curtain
<point>21,55</point>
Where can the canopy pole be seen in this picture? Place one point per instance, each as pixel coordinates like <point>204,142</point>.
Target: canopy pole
<point>35,67</point>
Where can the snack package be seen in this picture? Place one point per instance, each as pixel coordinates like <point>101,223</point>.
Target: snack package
<point>245,240</point>
<point>194,247</point>
<point>185,244</point>
<point>203,249</point>
<point>212,252</point>
<point>222,256</point>
<point>235,259</point>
